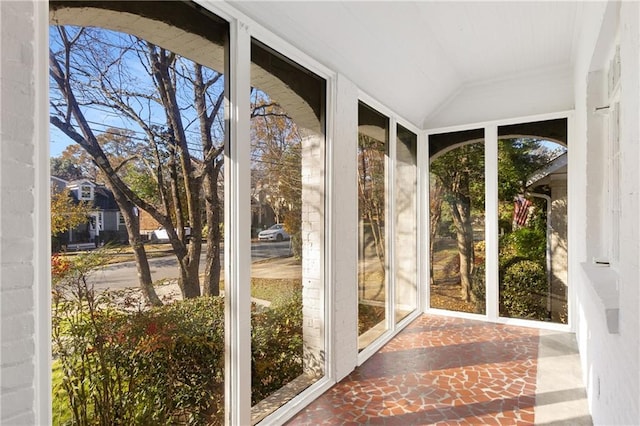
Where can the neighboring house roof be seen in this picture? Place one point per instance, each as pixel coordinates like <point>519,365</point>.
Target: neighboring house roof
<point>78,182</point>
<point>103,199</point>
<point>58,184</point>
<point>556,168</point>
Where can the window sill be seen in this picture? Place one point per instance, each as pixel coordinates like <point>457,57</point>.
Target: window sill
<point>280,397</point>
<point>604,282</point>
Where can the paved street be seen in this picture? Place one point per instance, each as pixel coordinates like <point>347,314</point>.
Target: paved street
<point>123,275</point>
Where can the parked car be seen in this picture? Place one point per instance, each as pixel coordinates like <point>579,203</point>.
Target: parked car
<point>274,233</point>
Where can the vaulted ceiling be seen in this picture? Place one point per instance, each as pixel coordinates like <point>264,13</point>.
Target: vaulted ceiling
<point>416,57</point>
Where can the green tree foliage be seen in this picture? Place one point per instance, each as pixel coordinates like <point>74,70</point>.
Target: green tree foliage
<point>517,160</point>
<point>66,212</point>
<point>522,290</point>
<point>276,147</point>
<point>65,168</point>
<point>276,346</point>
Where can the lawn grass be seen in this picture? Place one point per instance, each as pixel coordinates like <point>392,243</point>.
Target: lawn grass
<point>61,413</point>
<point>119,254</point>
<point>270,289</point>
<point>273,289</point>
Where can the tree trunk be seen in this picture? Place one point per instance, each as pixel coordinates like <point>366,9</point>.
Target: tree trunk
<point>461,212</point>
<point>188,258</point>
<point>212,268</point>
<point>435,213</point>
<point>89,142</point>
<point>135,241</point>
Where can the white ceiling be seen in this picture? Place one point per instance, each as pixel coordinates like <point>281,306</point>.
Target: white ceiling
<point>415,57</point>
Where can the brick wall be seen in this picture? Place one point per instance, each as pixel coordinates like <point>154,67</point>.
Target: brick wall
<point>147,223</point>
<point>344,217</point>
<point>610,359</point>
<point>17,220</point>
<point>312,251</point>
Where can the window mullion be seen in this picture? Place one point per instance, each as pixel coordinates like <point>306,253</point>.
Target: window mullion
<point>424,264</point>
<point>491,220</point>
<point>391,261</point>
<point>237,231</point>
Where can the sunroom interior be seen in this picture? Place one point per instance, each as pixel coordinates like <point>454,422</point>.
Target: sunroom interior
<point>381,95</point>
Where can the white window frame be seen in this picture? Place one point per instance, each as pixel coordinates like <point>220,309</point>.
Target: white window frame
<point>491,220</point>
<point>99,215</point>
<point>120,224</point>
<point>237,215</point>
<point>82,189</point>
<point>390,259</point>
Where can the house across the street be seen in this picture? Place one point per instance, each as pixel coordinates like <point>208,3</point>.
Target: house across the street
<point>105,223</point>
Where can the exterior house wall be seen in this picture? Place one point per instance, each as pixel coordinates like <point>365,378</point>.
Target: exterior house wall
<point>406,230</point>
<point>559,242</point>
<point>110,220</point>
<point>610,359</point>
<point>344,230</point>
<point>147,223</point>
<point>18,134</point>
<point>312,235</point>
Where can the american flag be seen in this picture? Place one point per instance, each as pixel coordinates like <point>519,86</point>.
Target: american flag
<point>521,210</point>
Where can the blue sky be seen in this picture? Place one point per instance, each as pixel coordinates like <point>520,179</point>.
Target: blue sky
<point>136,78</point>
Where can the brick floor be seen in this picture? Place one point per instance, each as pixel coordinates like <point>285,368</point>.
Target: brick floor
<point>439,370</point>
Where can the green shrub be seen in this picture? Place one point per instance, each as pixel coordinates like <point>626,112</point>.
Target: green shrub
<point>525,243</point>
<point>164,366</point>
<point>276,350</point>
<point>161,366</point>
<point>523,289</point>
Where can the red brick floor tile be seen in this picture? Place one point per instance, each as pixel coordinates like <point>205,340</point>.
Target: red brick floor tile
<point>438,371</point>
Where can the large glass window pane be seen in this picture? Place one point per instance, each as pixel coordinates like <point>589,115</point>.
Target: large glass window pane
<point>532,189</point>
<point>373,153</point>
<point>457,230</point>
<point>406,272</point>
<point>287,223</point>
<point>137,142</point>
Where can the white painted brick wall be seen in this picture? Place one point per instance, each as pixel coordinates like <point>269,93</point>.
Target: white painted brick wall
<point>344,256</point>
<point>406,231</point>
<point>313,197</point>
<point>17,178</point>
<point>611,361</point>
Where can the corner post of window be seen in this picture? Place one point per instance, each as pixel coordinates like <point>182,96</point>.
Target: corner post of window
<point>237,230</point>
<point>491,220</point>
<point>391,264</point>
<point>423,222</point>
<point>42,214</point>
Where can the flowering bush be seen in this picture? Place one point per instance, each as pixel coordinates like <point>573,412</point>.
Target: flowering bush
<point>60,266</point>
